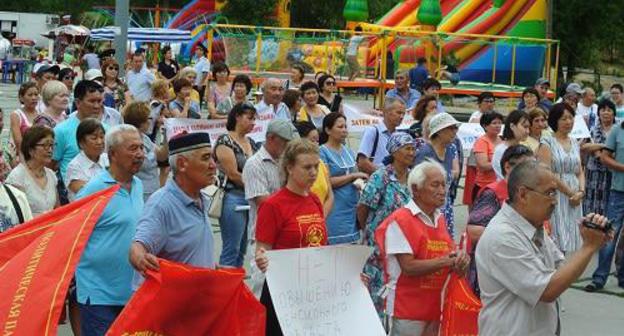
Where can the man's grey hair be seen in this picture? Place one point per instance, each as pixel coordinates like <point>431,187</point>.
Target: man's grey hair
<point>270,80</point>
<point>390,101</point>
<point>173,161</point>
<point>114,136</point>
<point>524,174</point>
<point>403,72</point>
<point>418,175</point>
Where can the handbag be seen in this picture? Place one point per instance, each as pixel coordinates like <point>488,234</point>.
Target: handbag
<point>216,193</point>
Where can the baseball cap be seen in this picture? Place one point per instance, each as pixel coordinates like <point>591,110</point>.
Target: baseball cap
<point>441,121</point>
<point>283,128</point>
<point>575,88</point>
<point>41,68</point>
<point>542,81</point>
<point>93,74</point>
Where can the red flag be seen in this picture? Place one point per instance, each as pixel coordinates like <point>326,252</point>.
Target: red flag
<point>37,262</point>
<point>184,300</point>
<point>460,310</point>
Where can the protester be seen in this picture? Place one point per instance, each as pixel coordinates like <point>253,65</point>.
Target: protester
<point>232,150</point>
<point>402,90</point>
<point>42,74</point>
<point>517,262</point>
<point>597,176</point>
<point>617,97</point>
<point>374,141</point>
<point>426,106</point>
<point>104,274</point>
<point>189,74</point>
<point>140,79</point>
<point>56,98</point>
<point>290,218</point>
<point>311,110</point>
<point>432,87</point>
<point>485,103</point>
<point>202,71</point>
<point>241,87</point>
<point>612,157</point>
<point>484,150</point>
<point>328,96</point>
<point>89,104</point>
<point>91,160</point>
<point>218,91</point>
<point>352,53</point>
<point>322,186</point>
<point>297,75</point>
<point>385,192</point>
<point>116,93</point>
<point>22,118</point>
<point>14,208</point>
<point>94,75</point>
<point>137,114</point>
<point>538,126</point>
<point>562,154</point>
<point>174,225</point>
<point>261,177</point>
<point>440,149</point>
<point>90,60</point>
<point>573,94</point>
<point>488,202</point>
<point>530,98</point>
<point>292,99</point>
<point>183,105</point>
<point>418,254</point>
<point>341,221</point>
<point>67,77</point>
<point>159,107</point>
<point>168,68</point>
<point>516,131</point>
<point>271,105</point>
<point>418,74</point>
<point>32,176</point>
<point>587,108</point>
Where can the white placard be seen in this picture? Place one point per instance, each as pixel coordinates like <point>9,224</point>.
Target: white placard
<point>580,130</point>
<point>318,291</point>
<point>215,128</point>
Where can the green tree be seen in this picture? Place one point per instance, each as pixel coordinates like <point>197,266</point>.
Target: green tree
<point>250,12</point>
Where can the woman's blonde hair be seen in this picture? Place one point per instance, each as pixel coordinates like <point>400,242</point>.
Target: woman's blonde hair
<point>160,87</point>
<point>185,71</point>
<point>51,89</point>
<point>293,149</point>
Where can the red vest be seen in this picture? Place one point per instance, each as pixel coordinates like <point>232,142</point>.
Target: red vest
<point>418,297</point>
<point>500,189</point>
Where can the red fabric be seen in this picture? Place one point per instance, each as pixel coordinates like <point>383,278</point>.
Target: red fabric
<point>37,262</point>
<point>460,313</point>
<point>484,145</point>
<point>185,300</point>
<point>426,243</point>
<point>471,175</point>
<point>500,190</point>
<point>287,220</point>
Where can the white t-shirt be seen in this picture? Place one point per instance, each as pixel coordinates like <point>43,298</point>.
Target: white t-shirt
<point>41,200</point>
<point>354,43</point>
<point>202,67</point>
<point>475,116</point>
<point>81,168</point>
<point>586,111</point>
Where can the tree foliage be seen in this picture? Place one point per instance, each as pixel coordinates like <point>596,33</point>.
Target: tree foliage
<point>250,12</point>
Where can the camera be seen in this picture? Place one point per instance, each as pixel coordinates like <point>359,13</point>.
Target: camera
<point>608,227</point>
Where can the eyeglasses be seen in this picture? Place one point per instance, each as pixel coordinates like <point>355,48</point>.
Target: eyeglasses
<point>45,145</point>
<point>330,83</point>
<point>69,78</point>
<point>550,194</point>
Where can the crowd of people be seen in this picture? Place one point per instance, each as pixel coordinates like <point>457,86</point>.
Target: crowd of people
<point>303,186</point>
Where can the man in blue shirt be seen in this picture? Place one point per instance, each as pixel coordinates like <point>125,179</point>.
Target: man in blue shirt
<point>104,275</point>
<point>89,104</point>
<point>418,74</point>
<point>402,91</point>
<point>373,144</point>
<point>175,224</point>
<point>140,79</point>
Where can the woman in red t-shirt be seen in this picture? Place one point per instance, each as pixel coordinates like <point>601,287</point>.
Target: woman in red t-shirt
<point>484,149</point>
<point>292,217</point>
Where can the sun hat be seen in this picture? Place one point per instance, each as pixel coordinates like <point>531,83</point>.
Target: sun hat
<point>441,121</point>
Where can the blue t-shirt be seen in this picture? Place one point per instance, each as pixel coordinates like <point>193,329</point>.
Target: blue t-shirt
<point>417,76</point>
<point>410,100</point>
<point>104,274</point>
<point>341,225</point>
<point>615,142</point>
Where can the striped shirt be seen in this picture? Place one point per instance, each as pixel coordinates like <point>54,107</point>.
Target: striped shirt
<point>261,176</point>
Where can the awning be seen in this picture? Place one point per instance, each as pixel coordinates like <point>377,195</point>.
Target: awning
<point>144,34</point>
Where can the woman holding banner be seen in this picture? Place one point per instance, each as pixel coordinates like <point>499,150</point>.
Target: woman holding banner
<point>292,217</point>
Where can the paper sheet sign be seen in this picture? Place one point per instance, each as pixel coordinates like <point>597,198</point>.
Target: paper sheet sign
<point>318,291</point>
<point>580,130</point>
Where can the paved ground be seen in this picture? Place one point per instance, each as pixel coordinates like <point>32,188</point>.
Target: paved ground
<point>600,314</point>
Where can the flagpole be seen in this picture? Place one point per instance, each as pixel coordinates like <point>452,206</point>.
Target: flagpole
<point>122,9</point>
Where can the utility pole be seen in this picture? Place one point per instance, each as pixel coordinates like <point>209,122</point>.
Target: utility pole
<point>122,9</point>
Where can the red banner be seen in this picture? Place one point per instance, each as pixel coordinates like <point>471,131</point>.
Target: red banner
<point>37,262</point>
<point>185,300</point>
<point>460,310</point>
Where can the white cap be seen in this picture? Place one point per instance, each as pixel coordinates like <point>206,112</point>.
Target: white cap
<point>92,74</point>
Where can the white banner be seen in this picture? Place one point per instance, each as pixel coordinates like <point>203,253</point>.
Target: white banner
<point>580,130</point>
<point>318,291</point>
<point>215,128</point>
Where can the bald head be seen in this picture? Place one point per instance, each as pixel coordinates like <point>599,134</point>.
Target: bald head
<point>272,91</point>
<point>529,174</point>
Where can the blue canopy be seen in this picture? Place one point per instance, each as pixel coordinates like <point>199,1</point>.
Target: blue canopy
<point>144,34</point>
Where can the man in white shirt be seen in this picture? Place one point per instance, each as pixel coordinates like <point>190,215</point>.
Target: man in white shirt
<point>271,105</point>
<point>520,269</point>
<point>587,108</point>
<point>140,79</point>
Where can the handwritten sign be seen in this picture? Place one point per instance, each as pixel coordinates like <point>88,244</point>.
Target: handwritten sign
<point>318,291</point>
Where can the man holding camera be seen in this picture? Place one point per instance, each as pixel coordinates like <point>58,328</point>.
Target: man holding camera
<point>521,274</point>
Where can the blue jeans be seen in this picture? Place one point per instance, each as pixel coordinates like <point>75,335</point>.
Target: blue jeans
<point>615,213</point>
<point>233,229</point>
<point>96,319</point>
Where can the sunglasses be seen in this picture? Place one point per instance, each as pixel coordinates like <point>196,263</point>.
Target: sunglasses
<point>69,78</point>
<point>113,68</point>
<point>330,83</point>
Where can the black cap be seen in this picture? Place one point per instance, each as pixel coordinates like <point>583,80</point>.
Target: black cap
<point>185,142</point>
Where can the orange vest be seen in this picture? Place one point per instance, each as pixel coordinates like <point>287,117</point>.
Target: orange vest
<point>418,297</point>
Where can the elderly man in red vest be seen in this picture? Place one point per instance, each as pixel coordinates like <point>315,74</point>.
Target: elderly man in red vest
<point>418,254</point>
